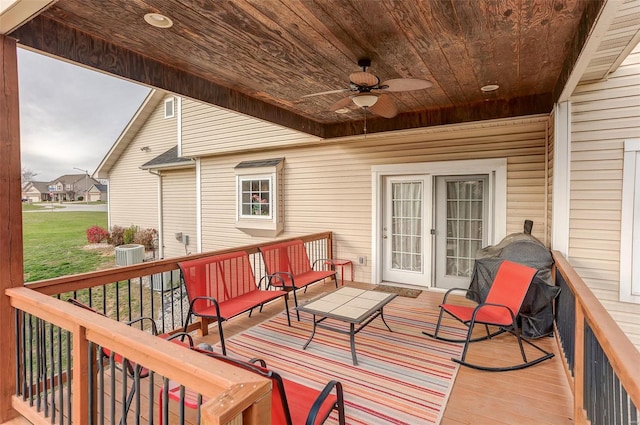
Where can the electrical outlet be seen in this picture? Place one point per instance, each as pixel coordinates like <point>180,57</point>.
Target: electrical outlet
<point>362,261</point>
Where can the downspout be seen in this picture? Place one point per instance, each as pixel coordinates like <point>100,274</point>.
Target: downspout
<point>561,194</point>
<point>160,230</point>
<point>198,206</point>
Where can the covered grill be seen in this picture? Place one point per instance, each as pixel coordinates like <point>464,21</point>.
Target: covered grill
<point>536,315</point>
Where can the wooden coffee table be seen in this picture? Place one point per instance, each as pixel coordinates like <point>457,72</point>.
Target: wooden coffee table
<point>354,306</point>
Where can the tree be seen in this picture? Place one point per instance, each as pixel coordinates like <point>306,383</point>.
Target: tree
<point>28,175</point>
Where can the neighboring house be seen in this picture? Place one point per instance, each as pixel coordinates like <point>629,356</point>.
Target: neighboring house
<point>71,187</point>
<point>36,192</point>
<point>98,192</point>
<point>414,205</point>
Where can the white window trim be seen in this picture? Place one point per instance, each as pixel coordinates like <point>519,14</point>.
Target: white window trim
<point>630,224</point>
<point>173,107</point>
<point>256,225</point>
<point>272,193</point>
<point>495,168</point>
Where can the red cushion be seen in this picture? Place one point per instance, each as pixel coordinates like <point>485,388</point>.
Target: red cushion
<point>238,305</point>
<point>498,316</point>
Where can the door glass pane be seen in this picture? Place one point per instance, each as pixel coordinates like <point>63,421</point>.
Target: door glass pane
<point>406,238</point>
<point>465,214</point>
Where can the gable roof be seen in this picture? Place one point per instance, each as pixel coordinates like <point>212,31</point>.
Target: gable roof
<point>68,178</point>
<point>100,187</point>
<point>147,106</point>
<point>41,187</point>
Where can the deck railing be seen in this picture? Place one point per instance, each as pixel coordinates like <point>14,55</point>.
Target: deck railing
<point>604,365</point>
<point>56,379</point>
<point>62,379</point>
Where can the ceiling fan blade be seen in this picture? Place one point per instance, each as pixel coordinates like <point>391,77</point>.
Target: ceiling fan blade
<point>406,84</point>
<point>363,78</point>
<point>342,103</point>
<point>385,107</point>
<point>327,92</point>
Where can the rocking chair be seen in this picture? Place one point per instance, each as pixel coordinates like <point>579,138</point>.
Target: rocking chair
<point>500,308</point>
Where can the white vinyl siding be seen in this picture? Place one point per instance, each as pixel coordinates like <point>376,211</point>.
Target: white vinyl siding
<point>328,186</point>
<point>604,114</point>
<point>208,129</point>
<point>136,199</point>
<point>179,211</point>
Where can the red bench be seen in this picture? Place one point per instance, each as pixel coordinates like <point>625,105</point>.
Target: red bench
<point>221,287</point>
<point>288,266</point>
<point>291,403</point>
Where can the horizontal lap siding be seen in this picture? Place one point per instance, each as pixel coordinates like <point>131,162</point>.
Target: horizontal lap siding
<point>179,211</point>
<point>328,187</point>
<point>136,202</point>
<point>207,129</point>
<point>604,114</point>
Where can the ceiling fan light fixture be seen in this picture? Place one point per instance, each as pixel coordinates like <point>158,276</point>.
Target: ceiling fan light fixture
<point>366,100</point>
<point>341,111</point>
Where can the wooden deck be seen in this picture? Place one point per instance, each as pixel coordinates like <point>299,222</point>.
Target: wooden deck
<point>537,395</point>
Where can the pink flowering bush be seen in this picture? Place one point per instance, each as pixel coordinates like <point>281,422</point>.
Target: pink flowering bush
<point>96,234</point>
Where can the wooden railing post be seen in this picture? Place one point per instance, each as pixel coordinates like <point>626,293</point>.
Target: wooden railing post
<point>11,268</point>
<point>80,385</point>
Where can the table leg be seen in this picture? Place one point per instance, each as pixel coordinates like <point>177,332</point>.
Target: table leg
<point>313,332</point>
<point>352,340</point>
<point>384,321</point>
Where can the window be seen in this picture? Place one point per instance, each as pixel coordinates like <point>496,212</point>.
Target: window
<point>260,197</point>
<point>630,225</point>
<point>255,197</point>
<point>169,108</point>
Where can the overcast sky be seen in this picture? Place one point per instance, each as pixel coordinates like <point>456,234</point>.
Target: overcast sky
<point>70,116</point>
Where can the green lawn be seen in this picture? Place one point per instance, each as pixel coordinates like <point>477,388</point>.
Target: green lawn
<point>53,244</point>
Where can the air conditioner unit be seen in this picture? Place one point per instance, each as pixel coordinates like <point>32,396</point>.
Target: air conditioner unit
<point>129,254</point>
<point>165,281</point>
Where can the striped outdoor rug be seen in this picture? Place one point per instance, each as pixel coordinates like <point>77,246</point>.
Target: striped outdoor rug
<point>403,377</point>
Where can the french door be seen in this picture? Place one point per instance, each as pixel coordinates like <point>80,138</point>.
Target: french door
<point>461,209</point>
<point>405,236</point>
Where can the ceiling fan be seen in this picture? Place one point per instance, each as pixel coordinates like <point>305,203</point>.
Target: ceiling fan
<point>369,94</point>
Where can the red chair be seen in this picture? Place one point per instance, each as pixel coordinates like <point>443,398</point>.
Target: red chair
<point>500,308</point>
<point>288,267</point>
<point>132,369</point>
<point>291,403</point>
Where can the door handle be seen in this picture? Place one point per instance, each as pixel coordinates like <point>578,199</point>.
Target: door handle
<point>384,236</point>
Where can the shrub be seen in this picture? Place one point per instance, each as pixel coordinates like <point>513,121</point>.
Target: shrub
<point>116,236</point>
<point>129,234</point>
<point>96,234</point>
<point>146,237</point>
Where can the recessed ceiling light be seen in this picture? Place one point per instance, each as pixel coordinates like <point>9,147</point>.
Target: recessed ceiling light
<point>158,20</point>
<point>490,87</point>
<point>341,111</point>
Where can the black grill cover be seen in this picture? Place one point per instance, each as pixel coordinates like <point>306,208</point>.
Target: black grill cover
<point>536,315</point>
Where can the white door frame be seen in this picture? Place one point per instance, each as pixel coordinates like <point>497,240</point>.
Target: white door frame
<point>495,168</point>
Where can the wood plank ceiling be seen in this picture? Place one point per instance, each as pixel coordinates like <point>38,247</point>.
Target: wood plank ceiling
<point>260,57</point>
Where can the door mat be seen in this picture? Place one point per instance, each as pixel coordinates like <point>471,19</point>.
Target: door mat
<point>403,292</point>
